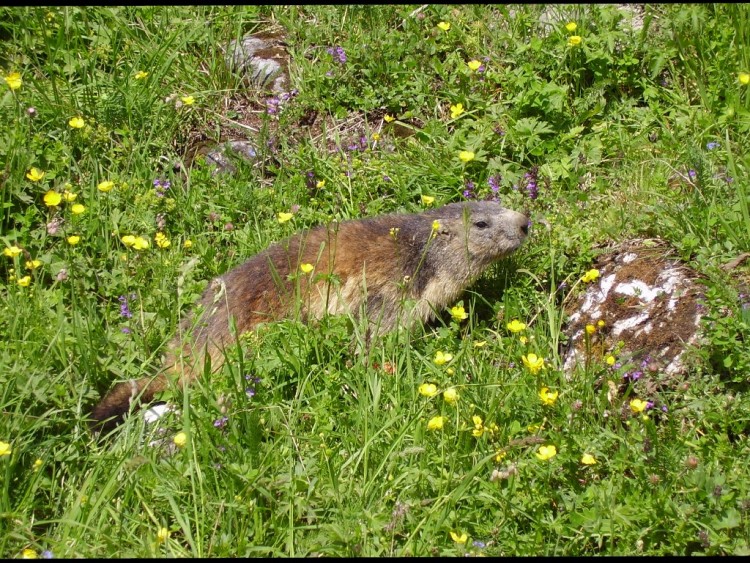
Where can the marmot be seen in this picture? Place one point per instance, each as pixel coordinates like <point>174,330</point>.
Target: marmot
<point>368,266</point>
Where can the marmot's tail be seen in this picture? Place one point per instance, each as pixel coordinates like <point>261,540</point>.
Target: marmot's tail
<point>117,403</point>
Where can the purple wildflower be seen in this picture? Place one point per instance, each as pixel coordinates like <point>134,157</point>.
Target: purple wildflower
<point>494,182</point>
<point>692,173</point>
<point>712,145</point>
<point>47,554</point>
<point>499,130</point>
<point>649,405</point>
<point>479,544</point>
<point>469,191</point>
<point>125,330</point>
<point>530,178</point>
<point>161,187</point>
<point>54,226</point>
<point>250,392</point>
<point>124,310</point>
<point>386,178</point>
<point>337,53</point>
<point>221,422</point>
<point>272,105</point>
<point>664,408</point>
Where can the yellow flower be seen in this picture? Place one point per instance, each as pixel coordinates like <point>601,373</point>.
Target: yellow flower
<point>13,80</point>
<point>180,439</point>
<point>571,26</point>
<point>140,75</point>
<point>320,183</point>
<point>516,326</point>
<point>610,360</point>
<point>523,339</point>
<point>306,268</point>
<point>376,136</point>
<point>458,314</point>
<point>37,464</point>
<point>33,264</point>
<point>77,209</point>
<point>24,281</point>
<point>283,217</point>
<point>140,243</point>
<point>76,122</point>
<point>428,389</point>
<point>436,225</point>
<point>588,459</point>
<point>600,324</point>
<point>388,118</point>
<point>427,200</point>
<point>480,343</point>
<point>474,64</point>
<point>590,276</point>
<point>35,174</point>
<point>499,456</point>
<point>73,240</point>
<point>744,78</point>
<point>188,100</point>
<point>533,362</point>
<point>442,358</point>
<point>590,329</point>
<point>12,251</point>
<point>546,452</point>
<point>69,196</point>
<point>161,240</point>
<point>52,198</point>
<point>162,535</point>
<point>105,186</point>
<point>548,397</point>
<point>445,26</point>
<point>188,243</point>
<point>436,423</point>
<point>459,538</point>
<point>457,110</point>
<point>478,426</point>
<point>466,156</point>
<point>636,405</point>
<point>574,40</point>
<point>5,449</point>
<point>29,554</point>
<point>450,396</point>
<point>128,240</point>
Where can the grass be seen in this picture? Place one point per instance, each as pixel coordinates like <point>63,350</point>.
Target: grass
<point>303,446</point>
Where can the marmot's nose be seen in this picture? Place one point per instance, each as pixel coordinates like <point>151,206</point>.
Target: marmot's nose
<point>522,222</point>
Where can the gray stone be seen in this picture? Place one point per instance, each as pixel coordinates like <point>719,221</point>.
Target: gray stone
<point>262,59</point>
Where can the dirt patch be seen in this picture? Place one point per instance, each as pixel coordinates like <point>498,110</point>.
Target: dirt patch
<point>648,302</point>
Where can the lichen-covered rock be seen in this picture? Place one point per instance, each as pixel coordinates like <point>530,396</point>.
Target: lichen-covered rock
<point>263,60</point>
<point>648,302</point>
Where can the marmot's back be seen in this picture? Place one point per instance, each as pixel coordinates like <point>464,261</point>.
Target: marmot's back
<point>371,266</point>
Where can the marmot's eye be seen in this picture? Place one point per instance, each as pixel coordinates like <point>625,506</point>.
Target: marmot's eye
<point>481,224</point>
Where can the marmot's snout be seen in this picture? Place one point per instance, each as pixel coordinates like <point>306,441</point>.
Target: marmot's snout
<point>519,223</point>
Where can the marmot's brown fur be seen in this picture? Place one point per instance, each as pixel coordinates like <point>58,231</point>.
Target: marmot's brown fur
<point>369,266</point>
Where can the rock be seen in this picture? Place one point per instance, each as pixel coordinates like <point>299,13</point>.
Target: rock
<point>647,300</point>
<point>220,156</point>
<point>263,60</point>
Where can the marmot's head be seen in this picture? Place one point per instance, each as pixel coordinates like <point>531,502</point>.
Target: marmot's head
<point>484,230</point>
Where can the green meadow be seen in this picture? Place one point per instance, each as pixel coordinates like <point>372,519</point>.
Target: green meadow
<point>460,437</point>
